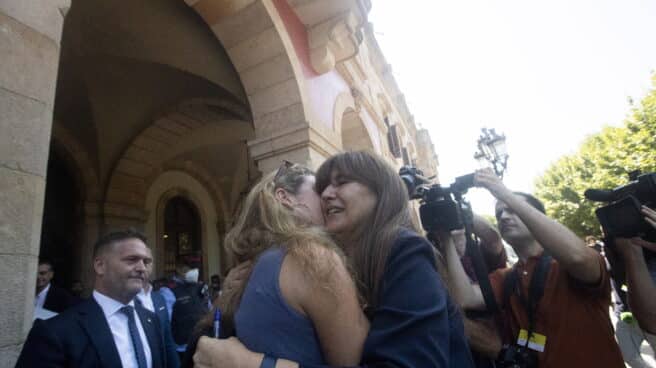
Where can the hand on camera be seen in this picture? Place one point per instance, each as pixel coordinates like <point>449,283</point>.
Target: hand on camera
<point>634,244</point>
<point>650,216</point>
<point>459,241</point>
<point>486,178</point>
<point>629,247</point>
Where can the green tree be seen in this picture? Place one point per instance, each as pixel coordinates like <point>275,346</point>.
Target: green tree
<point>602,161</point>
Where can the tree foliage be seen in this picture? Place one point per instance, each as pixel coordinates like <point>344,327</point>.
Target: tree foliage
<point>603,161</point>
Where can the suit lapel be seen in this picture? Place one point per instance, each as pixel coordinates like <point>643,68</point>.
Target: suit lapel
<point>95,324</point>
<point>160,307</point>
<point>153,334</point>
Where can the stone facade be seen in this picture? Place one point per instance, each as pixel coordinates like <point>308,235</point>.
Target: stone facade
<point>133,104</point>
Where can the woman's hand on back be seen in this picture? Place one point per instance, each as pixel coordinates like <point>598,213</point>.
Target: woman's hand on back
<point>230,353</point>
<point>224,353</point>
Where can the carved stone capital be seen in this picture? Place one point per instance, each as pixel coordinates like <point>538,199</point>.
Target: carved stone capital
<point>334,29</point>
<point>334,41</point>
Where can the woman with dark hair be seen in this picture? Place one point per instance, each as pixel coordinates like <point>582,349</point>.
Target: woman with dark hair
<point>297,277</point>
<point>413,321</point>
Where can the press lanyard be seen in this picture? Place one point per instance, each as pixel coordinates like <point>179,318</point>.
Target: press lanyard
<point>535,292</point>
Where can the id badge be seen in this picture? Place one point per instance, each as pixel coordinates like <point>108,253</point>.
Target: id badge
<point>522,339</point>
<point>536,342</point>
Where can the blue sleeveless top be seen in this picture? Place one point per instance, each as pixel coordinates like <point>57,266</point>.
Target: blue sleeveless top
<point>265,323</point>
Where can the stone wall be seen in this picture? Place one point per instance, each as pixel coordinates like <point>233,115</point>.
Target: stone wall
<point>30,33</point>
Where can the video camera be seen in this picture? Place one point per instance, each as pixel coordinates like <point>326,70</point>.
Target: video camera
<point>442,208</point>
<point>515,356</point>
<point>621,217</point>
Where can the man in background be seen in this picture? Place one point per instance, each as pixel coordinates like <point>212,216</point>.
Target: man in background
<point>108,329</point>
<point>186,301</point>
<point>49,296</point>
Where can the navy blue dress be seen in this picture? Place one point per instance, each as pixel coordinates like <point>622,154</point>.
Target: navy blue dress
<point>265,323</point>
<point>415,325</point>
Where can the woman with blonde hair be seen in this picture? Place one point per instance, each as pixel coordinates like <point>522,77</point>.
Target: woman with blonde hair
<point>414,323</point>
<point>298,280</point>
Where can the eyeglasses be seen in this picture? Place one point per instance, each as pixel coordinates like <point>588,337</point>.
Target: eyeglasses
<point>286,165</point>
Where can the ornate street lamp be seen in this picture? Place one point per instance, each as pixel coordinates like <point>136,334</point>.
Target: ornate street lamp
<point>492,150</point>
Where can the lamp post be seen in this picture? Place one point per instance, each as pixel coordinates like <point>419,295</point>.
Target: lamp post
<point>492,150</point>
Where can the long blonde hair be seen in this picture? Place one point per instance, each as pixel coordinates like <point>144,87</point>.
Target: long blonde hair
<point>265,222</point>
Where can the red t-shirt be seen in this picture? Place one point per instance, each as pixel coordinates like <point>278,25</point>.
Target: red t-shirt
<point>573,316</point>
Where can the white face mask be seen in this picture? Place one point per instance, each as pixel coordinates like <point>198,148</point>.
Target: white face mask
<point>191,275</point>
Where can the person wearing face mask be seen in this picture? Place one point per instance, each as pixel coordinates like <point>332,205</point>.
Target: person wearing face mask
<point>413,322</point>
<point>186,302</point>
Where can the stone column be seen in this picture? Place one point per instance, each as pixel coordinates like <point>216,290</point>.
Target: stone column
<point>89,233</point>
<point>30,32</point>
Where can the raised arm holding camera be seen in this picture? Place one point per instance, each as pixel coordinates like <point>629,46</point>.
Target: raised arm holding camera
<point>641,277</point>
<point>629,225</point>
<point>554,301</point>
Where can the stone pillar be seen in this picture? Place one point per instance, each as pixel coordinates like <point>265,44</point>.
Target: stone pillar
<point>89,233</point>
<point>30,32</point>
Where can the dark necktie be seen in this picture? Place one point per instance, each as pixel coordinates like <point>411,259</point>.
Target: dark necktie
<point>134,336</point>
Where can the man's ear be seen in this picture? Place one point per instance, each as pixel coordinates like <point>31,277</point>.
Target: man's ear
<point>99,265</point>
<point>284,197</point>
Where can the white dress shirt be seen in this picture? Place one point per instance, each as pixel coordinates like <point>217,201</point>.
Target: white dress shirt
<point>118,323</point>
<point>41,297</point>
<point>146,299</point>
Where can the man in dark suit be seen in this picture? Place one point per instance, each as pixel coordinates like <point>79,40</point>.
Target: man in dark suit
<point>109,329</point>
<point>49,296</point>
<point>154,302</point>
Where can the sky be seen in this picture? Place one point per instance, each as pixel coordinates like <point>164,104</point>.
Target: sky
<point>545,73</point>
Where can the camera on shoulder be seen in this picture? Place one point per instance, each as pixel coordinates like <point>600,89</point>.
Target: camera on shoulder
<point>622,216</point>
<point>442,207</point>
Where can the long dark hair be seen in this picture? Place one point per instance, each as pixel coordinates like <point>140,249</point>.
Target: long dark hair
<point>377,234</point>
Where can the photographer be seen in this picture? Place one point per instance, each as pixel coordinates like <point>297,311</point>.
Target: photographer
<point>481,331</point>
<point>641,278</point>
<point>554,301</point>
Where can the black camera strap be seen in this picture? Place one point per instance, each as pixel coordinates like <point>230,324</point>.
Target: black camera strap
<point>481,272</point>
<point>512,285</point>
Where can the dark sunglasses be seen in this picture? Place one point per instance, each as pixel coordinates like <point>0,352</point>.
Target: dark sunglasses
<point>282,170</point>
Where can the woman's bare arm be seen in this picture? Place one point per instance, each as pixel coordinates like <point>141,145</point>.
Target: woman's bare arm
<point>331,302</point>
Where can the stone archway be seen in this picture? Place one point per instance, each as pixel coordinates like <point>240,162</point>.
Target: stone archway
<point>64,140</point>
<point>355,135</point>
<point>254,38</point>
<point>144,158</point>
<point>179,183</point>
<point>86,232</point>
<point>264,49</point>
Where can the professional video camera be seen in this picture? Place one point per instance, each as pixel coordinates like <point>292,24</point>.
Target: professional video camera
<point>442,208</point>
<point>446,209</point>
<point>621,217</point>
<point>514,356</point>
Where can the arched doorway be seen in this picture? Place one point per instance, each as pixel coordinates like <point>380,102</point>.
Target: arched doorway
<point>182,235</point>
<point>61,219</point>
<point>354,133</point>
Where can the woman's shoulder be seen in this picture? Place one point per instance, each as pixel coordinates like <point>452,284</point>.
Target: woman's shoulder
<point>269,260</point>
<point>412,260</point>
<point>410,244</point>
<point>316,254</point>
